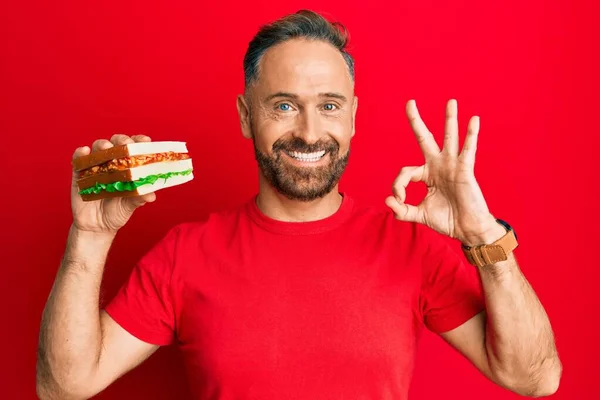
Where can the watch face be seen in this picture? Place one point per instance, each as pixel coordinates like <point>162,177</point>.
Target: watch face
<point>507,226</point>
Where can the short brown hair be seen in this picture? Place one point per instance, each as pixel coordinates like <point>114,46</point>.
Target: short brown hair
<point>303,24</point>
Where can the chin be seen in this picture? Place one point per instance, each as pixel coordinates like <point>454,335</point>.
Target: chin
<point>304,192</point>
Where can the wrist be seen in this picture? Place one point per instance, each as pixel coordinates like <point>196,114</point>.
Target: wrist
<point>491,245</point>
<point>87,247</point>
<point>91,236</point>
<point>489,232</point>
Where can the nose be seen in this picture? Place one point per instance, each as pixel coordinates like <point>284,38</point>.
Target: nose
<point>309,127</point>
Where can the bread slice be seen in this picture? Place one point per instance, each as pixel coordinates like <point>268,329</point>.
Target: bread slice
<point>160,169</point>
<point>127,150</point>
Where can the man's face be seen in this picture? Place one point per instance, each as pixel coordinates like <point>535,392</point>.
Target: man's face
<point>300,115</point>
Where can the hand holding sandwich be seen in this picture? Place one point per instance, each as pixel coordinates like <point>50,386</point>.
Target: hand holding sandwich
<point>106,215</point>
<point>117,176</point>
<point>110,214</point>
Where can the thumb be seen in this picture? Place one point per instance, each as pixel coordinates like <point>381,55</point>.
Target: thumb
<point>403,211</point>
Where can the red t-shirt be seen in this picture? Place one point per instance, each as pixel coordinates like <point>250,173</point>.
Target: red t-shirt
<point>264,309</point>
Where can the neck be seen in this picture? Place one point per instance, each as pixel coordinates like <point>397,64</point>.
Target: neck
<point>276,206</point>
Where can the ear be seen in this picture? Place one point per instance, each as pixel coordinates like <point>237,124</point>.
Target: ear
<point>244,114</point>
<point>354,108</point>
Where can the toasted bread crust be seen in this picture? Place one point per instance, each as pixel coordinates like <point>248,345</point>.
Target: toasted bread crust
<point>100,157</point>
<point>107,195</point>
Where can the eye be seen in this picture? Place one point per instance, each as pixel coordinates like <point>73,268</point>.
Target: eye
<point>284,107</point>
<point>330,107</point>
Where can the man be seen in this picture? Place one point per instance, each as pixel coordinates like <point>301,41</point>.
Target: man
<point>300,293</point>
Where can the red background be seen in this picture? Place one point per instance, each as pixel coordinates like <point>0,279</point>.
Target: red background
<point>71,72</point>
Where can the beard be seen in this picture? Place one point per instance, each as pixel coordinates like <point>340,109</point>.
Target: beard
<point>302,183</point>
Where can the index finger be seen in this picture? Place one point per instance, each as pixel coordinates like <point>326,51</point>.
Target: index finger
<point>406,175</point>
<point>81,151</point>
<point>424,137</point>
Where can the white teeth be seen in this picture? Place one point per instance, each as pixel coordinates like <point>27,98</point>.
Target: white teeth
<point>308,157</point>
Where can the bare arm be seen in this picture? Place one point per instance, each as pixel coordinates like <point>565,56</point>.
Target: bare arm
<point>81,349</point>
<point>514,345</point>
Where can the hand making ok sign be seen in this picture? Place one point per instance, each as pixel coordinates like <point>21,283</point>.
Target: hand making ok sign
<point>454,204</point>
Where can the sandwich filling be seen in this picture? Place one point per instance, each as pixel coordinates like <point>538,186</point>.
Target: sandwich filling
<point>121,164</point>
<point>132,185</point>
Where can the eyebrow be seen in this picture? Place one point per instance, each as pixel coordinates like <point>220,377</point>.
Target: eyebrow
<point>281,94</point>
<point>293,96</point>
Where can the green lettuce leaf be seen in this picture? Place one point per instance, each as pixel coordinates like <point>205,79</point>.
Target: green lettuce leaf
<point>132,185</point>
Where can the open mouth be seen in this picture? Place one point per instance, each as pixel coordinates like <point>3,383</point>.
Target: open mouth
<point>306,157</point>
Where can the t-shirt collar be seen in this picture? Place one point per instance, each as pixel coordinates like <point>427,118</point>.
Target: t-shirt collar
<point>301,228</point>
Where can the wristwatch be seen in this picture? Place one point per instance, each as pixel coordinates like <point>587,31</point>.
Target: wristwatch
<point>487,254</point>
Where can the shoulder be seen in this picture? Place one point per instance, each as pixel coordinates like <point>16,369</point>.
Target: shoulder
<point>380,221</point>
<point>221,223</point>
<point>381,217</point>
<point>371,213</point>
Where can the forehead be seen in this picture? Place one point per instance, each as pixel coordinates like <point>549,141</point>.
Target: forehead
<point>304,67</point>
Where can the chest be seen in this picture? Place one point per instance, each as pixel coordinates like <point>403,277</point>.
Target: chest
<point>299,306</point>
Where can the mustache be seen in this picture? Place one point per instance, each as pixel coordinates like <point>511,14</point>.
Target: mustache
<point>299,145</point>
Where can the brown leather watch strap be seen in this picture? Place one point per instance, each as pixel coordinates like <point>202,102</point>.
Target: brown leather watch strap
<point>492,253</point>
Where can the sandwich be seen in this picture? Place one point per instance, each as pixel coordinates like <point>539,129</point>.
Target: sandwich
<point>132,169</point>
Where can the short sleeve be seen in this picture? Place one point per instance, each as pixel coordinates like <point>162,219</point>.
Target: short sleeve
<point>144,304</point>
<point>451,291</point>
